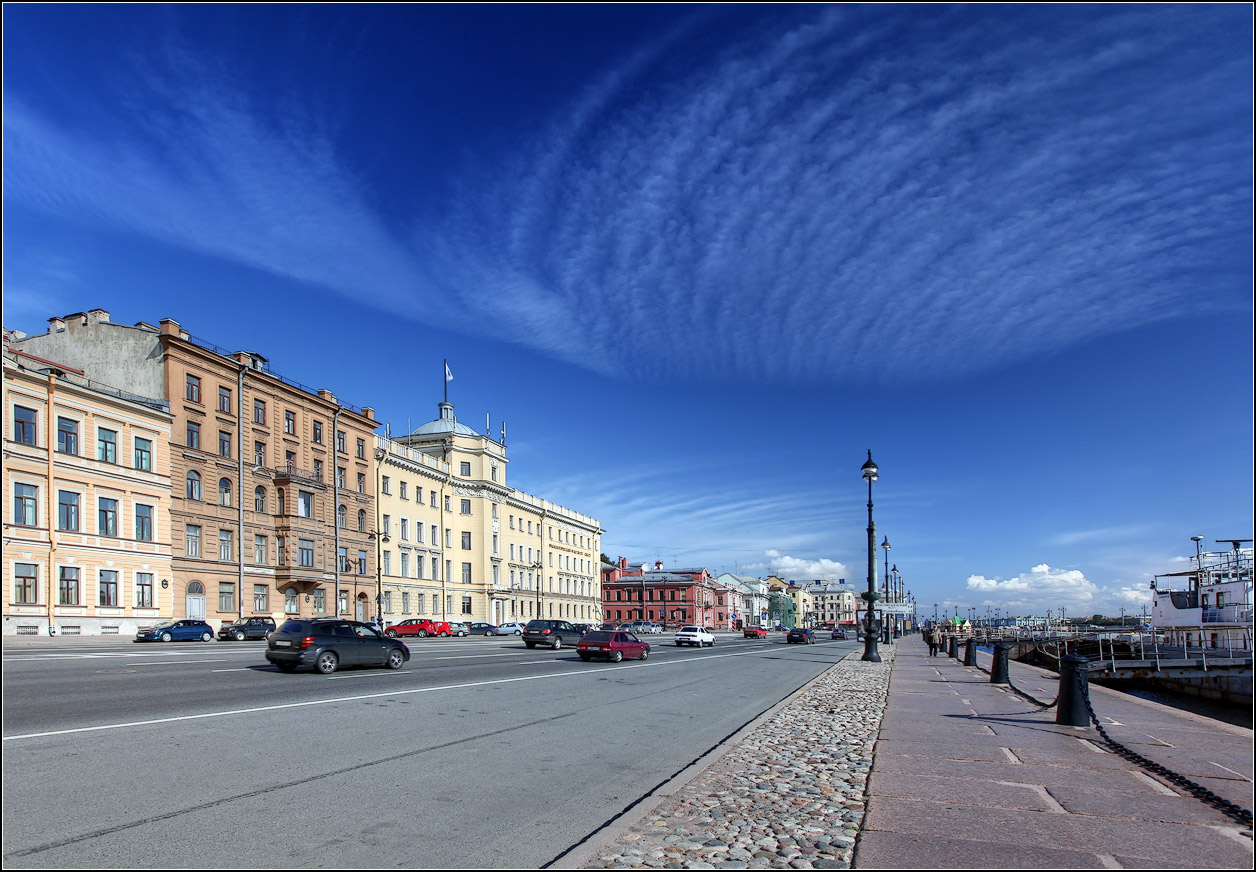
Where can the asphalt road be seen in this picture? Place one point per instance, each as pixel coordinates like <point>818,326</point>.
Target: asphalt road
<point>479,753</point>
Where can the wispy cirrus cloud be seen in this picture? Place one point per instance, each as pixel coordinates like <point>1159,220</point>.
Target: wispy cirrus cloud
<point>846,193</point>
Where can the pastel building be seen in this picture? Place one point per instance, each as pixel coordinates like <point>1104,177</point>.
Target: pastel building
<point>87,521</point>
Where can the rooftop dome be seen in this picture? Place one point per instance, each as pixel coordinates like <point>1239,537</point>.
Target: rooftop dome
<point>446,423</point>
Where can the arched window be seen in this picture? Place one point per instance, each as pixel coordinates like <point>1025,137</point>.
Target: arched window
<point>224,491</point>
<point>196,588</point>
<point>342,516</point>
<point>279,500</point>
<point>194,485</point>
<point>291,603</point>
<point>259,499</point>
<point>361,520</point>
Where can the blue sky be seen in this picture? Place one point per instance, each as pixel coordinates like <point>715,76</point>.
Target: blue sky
<point>701,259</point>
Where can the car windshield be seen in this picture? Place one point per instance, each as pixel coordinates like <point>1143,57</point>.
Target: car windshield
<point>688,629</point>
<point>292,627</point>
<point>597,636</point>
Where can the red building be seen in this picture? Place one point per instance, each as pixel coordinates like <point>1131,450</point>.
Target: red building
<point>671,597</point>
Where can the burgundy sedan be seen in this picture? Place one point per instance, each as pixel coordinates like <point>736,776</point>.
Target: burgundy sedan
<point>614,645</point>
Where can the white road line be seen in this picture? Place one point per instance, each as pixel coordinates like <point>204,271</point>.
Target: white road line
<point>1231,771</point>
<point>586,671</point>
<point>181,662</point>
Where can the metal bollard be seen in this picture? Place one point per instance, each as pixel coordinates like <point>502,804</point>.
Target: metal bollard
<point>952,646</point>
<point>998,670</point>
<point>970,652</point>
<point>1074,688</point>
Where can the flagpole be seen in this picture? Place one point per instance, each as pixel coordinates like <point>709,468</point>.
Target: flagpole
<point>445,375</point>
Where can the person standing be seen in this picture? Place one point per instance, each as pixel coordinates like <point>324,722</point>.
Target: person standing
<point>935,639</point>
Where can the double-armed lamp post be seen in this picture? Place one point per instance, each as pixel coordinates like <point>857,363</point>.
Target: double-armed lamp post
<point>871,595</point>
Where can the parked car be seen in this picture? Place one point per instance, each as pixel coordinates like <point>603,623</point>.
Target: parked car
<point>802,635</point>
<point>326,644</point>
<point>754,633</point>
<point>479,628</point>
<point>690,635</point>
<point>255,627</point>
<point>459,628</point>
<point>556,634</point>
<point>176,631</point>
<point>583,628</point>
<point>839,633</point>
<point>419,627</point>
<point>614,645</point>
<point>510,629</point>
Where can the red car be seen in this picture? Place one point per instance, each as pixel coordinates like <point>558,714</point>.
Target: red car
<point>419,627</point>
<point>754,633</point>
<point>614,645</point>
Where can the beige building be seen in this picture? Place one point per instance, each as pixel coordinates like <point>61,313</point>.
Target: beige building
<point>464,545</point>
<point>87,541</point>
<point>272,484</point>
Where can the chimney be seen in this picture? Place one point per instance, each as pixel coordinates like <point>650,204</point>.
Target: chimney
<point>98,316</point>
<point>623,563</point>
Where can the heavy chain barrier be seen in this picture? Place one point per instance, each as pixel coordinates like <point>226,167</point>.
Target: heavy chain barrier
<point>1234,810</point>
<point>1021,693</point>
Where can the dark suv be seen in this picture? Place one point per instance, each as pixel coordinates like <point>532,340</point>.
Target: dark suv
<point>326,644</point>
<point>255,627</point>
<point>556,634</point>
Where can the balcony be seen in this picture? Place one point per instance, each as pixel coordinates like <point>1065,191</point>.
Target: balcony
<point>290,473</point>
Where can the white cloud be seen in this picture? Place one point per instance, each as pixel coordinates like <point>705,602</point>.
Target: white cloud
<point>1044,589</point>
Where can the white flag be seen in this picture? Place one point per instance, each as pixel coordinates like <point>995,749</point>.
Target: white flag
<point>449,376</point>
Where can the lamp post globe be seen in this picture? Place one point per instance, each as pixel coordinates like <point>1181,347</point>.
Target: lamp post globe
<point>870,595</point>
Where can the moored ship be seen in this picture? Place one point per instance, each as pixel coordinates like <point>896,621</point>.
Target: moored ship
<point>1208,607</point>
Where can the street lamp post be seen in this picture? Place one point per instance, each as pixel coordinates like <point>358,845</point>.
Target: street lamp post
<point>870,596</point>
<point>537,566</point>
<point>379,577</point>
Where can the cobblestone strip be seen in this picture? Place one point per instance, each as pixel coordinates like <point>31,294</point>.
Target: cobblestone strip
<point>789,796</point>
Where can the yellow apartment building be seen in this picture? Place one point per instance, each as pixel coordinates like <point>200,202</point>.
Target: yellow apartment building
<point>87,541</point>
<point>272,484</point>
<point>473,548</point>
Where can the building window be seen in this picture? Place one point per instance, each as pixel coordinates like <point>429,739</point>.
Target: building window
<point>193,541</point>
<point>224,399</point>
<point>194,485</point>
<point>342,560</point>
<point>305,552</point>
<point>385,486</point>
<point>340,441</point>
<point>106,445</point>
<point>143,590</point>
<point>361,562</point>
<point>226,596</point>
<point>25,583</point>
<point>318,470</point>
<point>405,602</point>
<point>68,511</point>
<point>261,598</point>
<point>361,520</point>
<point>193,391</point>
<point>405,564</point>
<point>342,518</point>
<point>259,499</point>
<point>279,501</point>
<point>466,507</point>
<point>403,490</point>
<point>144,523</point>
<point>25,504</point>
<point>194,435</point>
<point>281,550</point>
<point>466,605</point>
<point>224,444</point>
<point>226,549</point>
<point>67,436</point>
<point>68,586</point>
<point>466,541</point>
<point>320,601</point>
<point>361,449</point>
<point>421,606</point>
<point>464,468</point>
<point>108,588</point>
<point>361,482</point>
<point>305,504</point>
<point>493,472</point>
<point>107,518</point>
<point>340,476</point>
<point>224,491</point>
<point>259,412</point>
<point>259,550</point>
<point>418,566</point>
<point>290,423</point>
<point>386,556</point>
<point>466,573</point>
<point>387,519</point>
<point>144,454</point>
<point>387,602</point>
<point>259,453</point>
<point>291,601</point>
<point>318,434</point>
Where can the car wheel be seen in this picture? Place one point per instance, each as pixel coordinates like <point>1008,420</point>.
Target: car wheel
<point>422,634</point>
<point>327,662</point>
<point>166,637</point>
<point>557,643</point>
<point>286,667</point>
<point>239,635</point>
<point>443,634</point>
<point>645,654</point>
<point>396,659</point>
<point>584,657</point>
<point>617,656</point>
<point>391,634</point>
<point>678,644</point>
<point>518,632</point>
<point>205,637</point>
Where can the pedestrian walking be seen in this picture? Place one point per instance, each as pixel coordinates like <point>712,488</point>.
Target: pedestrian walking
<point>935,639</point>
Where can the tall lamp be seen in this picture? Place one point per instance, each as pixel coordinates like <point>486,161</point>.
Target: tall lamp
<point>871,595</point>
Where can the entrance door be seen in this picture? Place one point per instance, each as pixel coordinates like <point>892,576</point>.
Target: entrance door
<point>195,602</point>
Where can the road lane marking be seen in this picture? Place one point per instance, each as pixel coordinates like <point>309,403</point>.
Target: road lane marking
<point>584,670</point>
